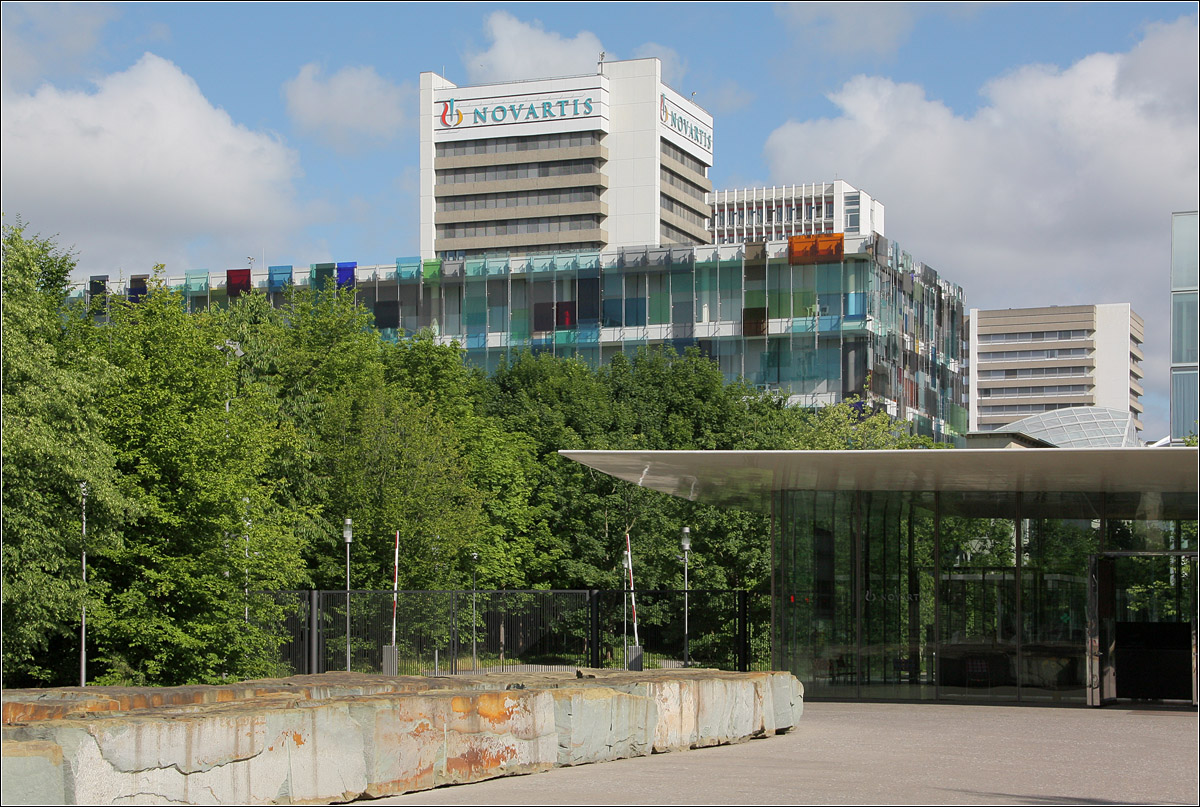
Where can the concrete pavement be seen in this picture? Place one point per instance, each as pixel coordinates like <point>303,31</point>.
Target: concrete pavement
<point>887,753</point>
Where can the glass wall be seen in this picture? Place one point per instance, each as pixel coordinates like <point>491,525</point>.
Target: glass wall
<point>964,596</point>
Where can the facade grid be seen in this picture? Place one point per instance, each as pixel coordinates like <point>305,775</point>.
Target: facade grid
<point>817,318</point>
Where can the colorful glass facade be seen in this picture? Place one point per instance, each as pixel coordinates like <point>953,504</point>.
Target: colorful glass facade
<point>819,318</point>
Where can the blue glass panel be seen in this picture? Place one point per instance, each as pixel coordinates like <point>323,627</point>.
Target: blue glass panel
<point>635,312</point>
<point>408,268</point>
<point>856,304</point>
<point>613,316</point>
<point>346,274</point>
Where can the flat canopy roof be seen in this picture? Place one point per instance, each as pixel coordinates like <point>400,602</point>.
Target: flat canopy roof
<point>748,478</point>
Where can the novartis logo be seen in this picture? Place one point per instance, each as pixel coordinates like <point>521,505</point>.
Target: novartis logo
<point>449,113</point>
<point>486,113</point>
<point>684,125</point>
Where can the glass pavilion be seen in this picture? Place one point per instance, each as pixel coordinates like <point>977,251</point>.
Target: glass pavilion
<point>1056,575</point>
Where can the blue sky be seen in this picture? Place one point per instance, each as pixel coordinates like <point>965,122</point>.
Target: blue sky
<point>1031,153</point>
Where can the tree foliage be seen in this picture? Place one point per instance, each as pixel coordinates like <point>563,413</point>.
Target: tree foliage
<point>223,449</point>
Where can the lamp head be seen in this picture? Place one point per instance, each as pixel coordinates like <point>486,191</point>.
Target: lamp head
<point>348,532</point>
<point>685,539</point>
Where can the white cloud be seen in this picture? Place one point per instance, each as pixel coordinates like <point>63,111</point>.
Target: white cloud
<point>1058,190</point>
<point>852,28</point>
<point>522,50</point>
<point>674,66</point>
<point>143,166</point>
<point>42,40</point>
<point>353,109</point>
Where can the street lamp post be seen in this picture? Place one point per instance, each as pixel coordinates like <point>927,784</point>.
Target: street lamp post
<point>685,542</point>
<point>83,613</point>
<point>348,537</point>
<point>474,568</point>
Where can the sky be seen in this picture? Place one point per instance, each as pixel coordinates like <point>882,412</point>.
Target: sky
<point>1031,153</point>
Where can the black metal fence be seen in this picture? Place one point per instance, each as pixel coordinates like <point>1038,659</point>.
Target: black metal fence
<point>448,632</point>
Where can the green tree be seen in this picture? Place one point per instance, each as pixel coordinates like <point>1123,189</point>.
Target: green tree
<point>52,441</point>
<point>192,447</point>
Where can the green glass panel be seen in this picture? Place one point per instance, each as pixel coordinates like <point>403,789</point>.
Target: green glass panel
<point>431,270</point>
<point>196,282</point>
<point>521,327</point>
<point>731,278</point>
<point>829,277</point>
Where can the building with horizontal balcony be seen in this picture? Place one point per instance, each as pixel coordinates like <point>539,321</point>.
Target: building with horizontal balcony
<point>781,211</point>
<point>819,318</point>
<point>1027,361</point>
<point>612,159</point>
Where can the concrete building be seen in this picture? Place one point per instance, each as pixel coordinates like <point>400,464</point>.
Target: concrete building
<point>607,160</point>
<point>1185,391</point>
<point>778,212</point>
<point>1026,361</point>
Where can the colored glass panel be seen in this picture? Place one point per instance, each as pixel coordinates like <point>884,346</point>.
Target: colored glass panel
<point>277,278</point>
<point>237,282</point>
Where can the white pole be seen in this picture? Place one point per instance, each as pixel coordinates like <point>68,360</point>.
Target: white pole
<point>632,594</point>
<point>83,620</point>
<point>395,583</point>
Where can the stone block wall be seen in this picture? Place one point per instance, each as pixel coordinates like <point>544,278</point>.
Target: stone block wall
<point>341,736</point>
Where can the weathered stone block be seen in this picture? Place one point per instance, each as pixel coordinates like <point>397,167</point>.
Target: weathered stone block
<point>339,736</point>
<point>598,724</point>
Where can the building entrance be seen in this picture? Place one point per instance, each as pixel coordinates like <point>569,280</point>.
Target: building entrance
<point>1142,626</point>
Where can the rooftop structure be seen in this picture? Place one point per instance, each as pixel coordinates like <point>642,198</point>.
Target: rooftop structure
<point>1081,427</point>
<point>778,212</point>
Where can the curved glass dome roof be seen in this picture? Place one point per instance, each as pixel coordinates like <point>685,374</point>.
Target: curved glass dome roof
<point>1081,427</point>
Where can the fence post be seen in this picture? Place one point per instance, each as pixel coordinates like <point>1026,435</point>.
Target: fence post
<point>743,603</point>
<point>313,612</point>
<point>594,633</point>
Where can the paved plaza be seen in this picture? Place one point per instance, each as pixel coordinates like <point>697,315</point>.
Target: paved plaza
<point>887,753</point>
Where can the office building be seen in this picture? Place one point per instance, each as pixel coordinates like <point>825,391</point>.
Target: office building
<point>1026,361</point>
<point>1185,391</point>
<point>608,160</point>
<point>819,318</point>
<point>778,212</point>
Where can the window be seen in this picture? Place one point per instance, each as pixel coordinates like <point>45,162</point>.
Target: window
<point>500,173</point>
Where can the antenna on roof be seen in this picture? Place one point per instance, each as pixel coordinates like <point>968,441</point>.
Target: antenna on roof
<point>600,65</point>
